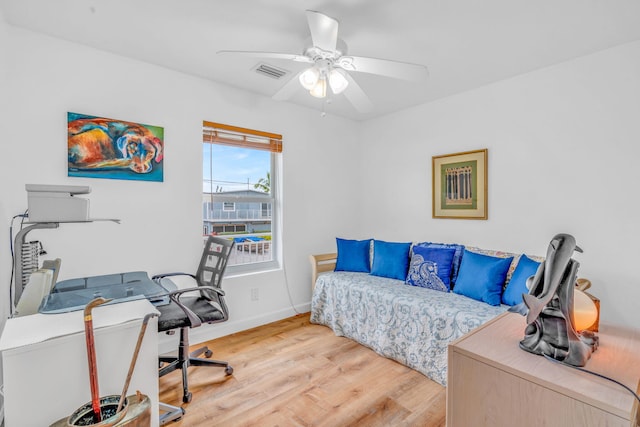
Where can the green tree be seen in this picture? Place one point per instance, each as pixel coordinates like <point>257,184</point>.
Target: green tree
<point>264,184</point>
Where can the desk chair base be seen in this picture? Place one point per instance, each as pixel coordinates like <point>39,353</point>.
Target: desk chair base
<point>170,413</point>
<point>186,359</point>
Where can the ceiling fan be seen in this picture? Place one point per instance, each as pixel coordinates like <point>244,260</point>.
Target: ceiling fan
<point>331,66</point>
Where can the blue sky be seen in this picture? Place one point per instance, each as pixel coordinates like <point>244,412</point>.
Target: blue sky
<point>232,166</point>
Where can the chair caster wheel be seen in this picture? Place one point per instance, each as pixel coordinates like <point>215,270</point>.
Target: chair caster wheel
<point>228,370</point>
<point>208,353</point>
<point>187,398</point>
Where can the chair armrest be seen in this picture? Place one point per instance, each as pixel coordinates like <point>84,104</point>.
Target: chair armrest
<point>158,277</point>
<point>194,319</point>
<point>321,263</point>
<point>196,288</point>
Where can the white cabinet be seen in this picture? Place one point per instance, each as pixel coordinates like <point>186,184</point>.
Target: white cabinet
<point>492,382</point>
<point>45,369</point>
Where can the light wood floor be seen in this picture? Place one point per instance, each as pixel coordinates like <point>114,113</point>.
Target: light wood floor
<point>294,373</point>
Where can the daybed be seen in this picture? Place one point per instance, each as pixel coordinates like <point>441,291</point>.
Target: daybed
<point>412,324</point>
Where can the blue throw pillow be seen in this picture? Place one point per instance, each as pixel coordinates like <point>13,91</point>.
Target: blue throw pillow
<point>353,255</point>
<point>390,259</point>
<point>457,257</point>
<point>518,283</point>
<point>482,277</point>
<point>431,268</point>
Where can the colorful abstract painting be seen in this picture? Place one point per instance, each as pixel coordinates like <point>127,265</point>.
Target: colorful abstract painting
<point>114,149</point>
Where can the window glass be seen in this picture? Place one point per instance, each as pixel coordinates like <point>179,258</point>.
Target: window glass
<point>238,203</point>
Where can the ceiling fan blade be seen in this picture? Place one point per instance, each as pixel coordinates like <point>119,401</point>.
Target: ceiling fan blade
<point>324,30</point>
<point>395,69</point>
<point>288,89</point>
<point>271,55</point>
<point>357,97</point>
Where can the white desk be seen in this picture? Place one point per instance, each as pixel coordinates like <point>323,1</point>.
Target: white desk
<point>46,374</point>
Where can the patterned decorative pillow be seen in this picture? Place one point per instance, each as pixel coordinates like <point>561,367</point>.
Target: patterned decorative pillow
<point>431,268</point>
<point>457,256</point>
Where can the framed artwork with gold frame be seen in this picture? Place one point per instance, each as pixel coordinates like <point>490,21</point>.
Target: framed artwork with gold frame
<point>459,185</point>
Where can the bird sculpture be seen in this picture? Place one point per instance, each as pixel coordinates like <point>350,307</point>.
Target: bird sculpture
<point>549,305</point>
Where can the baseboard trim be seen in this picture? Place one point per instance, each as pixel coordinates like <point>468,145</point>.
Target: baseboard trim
<point>168,343</point>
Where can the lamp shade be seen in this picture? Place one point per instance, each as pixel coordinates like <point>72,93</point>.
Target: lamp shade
<point>585,312</point>
<point>337,81</point>
<point>309,78</point>
<point>320,89</point>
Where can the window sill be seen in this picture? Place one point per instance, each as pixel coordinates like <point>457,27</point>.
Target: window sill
<point>251,269</point>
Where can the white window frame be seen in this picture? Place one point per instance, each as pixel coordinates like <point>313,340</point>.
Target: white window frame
<point>276,220</point>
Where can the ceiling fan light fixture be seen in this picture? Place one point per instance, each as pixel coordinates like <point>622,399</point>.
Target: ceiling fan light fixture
<point>337,81</point>
<point>327,64</point>
<point>309,78</point>
<point>320,89</point>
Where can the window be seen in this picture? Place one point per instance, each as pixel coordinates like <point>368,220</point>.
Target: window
<point>266,210</point>
<point>240,193</point>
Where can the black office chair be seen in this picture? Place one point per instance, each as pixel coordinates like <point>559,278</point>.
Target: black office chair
<point>189,308</point>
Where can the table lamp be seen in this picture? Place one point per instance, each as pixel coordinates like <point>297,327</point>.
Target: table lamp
<point>585,312</point>
<point>585,307</point>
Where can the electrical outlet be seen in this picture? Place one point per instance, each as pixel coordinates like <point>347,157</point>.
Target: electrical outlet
<point>254,294</point>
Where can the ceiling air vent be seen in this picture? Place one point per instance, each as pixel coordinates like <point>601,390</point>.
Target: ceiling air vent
<point>270,71</point>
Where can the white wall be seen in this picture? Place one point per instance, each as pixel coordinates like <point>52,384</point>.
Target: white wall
<point>563,153</point>
<point>4,101</point>
<point>3,214</point>
<point>3,50</point>
<point>161,222</point>
<point>558,139</point>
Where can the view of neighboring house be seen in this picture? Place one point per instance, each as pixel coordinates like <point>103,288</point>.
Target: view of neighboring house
<point>239,211</point>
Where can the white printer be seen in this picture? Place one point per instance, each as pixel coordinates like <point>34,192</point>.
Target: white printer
<point>56,203</point>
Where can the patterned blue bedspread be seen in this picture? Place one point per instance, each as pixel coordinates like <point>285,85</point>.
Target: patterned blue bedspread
<point>408,324</point>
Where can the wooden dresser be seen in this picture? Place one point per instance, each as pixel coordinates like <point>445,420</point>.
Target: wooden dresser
<point>494,383</point>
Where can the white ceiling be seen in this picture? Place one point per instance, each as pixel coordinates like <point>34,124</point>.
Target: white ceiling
<point>464,43</point>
